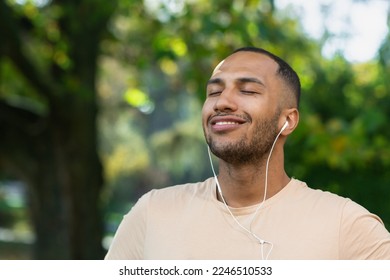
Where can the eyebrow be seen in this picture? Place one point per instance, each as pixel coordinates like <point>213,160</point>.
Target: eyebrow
<point>239,80</point>
<point>250,80</point>
<point>215,81</point>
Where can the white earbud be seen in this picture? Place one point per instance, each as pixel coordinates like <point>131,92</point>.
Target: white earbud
<point>284,126</point>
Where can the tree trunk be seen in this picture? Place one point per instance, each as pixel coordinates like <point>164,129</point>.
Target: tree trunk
<point>63,172</point>
<point>56,154</point>
<point>65,191</point>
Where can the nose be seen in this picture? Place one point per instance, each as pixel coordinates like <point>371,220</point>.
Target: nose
<point>226,101</point>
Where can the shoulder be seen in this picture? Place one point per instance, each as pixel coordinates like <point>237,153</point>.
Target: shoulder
<point>323,198</point>
<point>362,234</point>
<point>182,193</point>
<point>324,204</point>
<point>317,197</point>
<point>188,189</point>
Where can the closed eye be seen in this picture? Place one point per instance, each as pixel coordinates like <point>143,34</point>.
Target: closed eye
<point>249,92</point>
<point>215,92</point>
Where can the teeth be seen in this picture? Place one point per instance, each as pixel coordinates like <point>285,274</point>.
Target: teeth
<point>224,123</point>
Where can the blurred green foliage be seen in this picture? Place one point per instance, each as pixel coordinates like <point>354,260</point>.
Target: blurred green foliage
<point>341,143</point>
<point>155,58</point>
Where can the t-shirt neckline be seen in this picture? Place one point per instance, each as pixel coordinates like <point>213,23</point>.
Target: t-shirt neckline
<point>246,210</point>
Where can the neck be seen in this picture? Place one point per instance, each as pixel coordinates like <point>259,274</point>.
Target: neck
<point>244,184</point>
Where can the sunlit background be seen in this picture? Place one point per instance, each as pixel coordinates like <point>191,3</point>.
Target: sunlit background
<point>357,28</point>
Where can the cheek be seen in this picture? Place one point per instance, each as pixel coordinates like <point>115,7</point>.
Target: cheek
<point>207,110</point>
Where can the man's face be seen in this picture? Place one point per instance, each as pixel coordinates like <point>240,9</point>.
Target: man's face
<point>241,114</point>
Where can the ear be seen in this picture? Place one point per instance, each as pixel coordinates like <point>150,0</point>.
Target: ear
<point>292,116</point>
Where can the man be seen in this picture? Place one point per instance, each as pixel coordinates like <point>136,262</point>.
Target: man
<point>252,209</point>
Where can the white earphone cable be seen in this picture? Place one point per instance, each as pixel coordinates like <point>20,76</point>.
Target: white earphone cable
<point>261,241</point>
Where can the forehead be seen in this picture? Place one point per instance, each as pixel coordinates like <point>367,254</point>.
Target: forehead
<point>244,64</point>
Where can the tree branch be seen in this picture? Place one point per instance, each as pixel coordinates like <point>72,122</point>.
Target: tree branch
<point>19,127</point>
<point>19,130</point>
<point>19,119</point>
<point>11,48</point>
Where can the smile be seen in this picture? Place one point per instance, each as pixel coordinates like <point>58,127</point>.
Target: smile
<point>225,123</point>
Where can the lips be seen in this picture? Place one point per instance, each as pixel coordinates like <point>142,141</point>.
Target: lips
<point>226,123</point>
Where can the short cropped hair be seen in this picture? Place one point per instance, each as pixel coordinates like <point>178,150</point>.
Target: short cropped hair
<point>285,71</point>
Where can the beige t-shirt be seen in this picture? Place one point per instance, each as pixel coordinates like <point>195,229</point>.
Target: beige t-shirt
<point>188,222</point>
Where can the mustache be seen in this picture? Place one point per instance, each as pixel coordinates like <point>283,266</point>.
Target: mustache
<point>243,116</point>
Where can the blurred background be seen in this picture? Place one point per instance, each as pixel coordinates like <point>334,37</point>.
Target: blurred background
<point>100,102</point>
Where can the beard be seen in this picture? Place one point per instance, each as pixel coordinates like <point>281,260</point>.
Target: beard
<point>245,150</point>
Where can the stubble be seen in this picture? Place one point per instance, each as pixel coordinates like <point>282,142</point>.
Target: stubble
<point>246,150</point>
